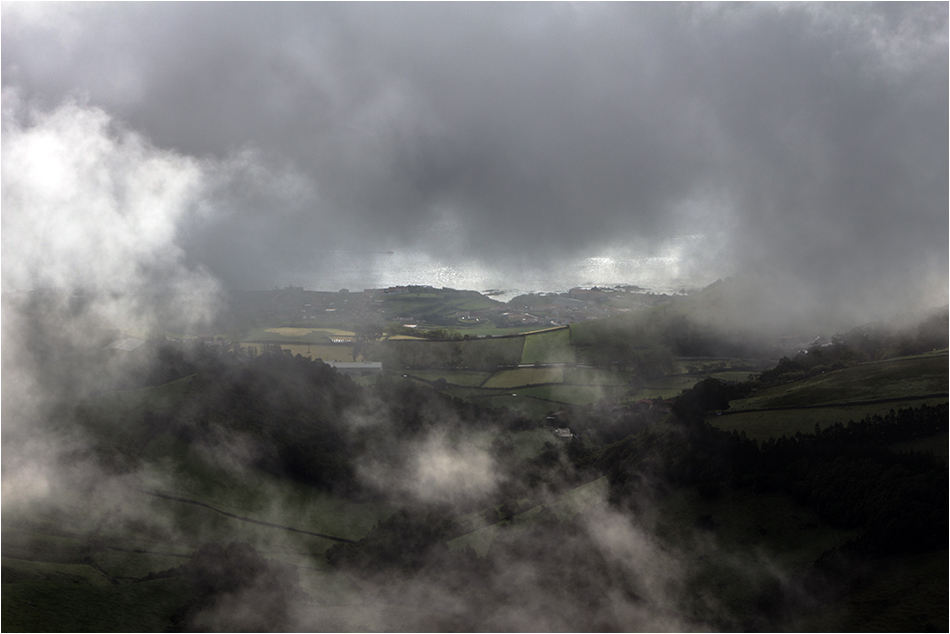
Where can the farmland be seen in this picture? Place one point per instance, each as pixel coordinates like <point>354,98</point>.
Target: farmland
<point>881,380</point>
<point>473,354</point>
<point>840,396</point>
<point>224,475</point>
<point>554,378</point>
<point>295,335</point>
<point>551,346</point>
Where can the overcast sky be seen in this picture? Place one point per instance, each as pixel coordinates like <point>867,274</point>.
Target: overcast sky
<point>806,142</point>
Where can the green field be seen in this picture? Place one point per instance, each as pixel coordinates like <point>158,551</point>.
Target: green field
<point>762,425</point>
<point>548,346</point>
<point>839,396</point>
<point>474,354</point>
<point>524,376</point>
<point>596,376</point>
<point>140,607</point>
<point>573,394</point>
<point>530,407</point>
<point>119,420</point>
<point>904,377</point>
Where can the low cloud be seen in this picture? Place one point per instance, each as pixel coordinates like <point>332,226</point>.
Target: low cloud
<point>433,470</point>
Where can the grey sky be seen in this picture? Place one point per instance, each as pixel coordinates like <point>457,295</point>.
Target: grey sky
<point>808,142</point>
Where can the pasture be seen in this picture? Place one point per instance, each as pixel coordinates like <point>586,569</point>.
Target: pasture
<point>140,607</point>
<point>219,479</point>
<point>524,376</point>
<point>839,396</point>
<point>765,424</point>
<point>468,378</point>
<point>548,346</point>
<point>572,394</point>
<point>596,376</point>
<point>472,354</point>
<point>904,377</point>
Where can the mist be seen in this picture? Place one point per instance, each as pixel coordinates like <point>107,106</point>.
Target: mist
<point>157,157</point>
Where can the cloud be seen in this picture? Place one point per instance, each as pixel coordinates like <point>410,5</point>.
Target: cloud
<point>804,142</point>
<point>89,205</point>
<point>91,214</point>
<point>431,470</point>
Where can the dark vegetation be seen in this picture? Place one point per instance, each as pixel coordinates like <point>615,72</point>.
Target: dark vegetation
<point>847,474</point>
<point>292,411</point>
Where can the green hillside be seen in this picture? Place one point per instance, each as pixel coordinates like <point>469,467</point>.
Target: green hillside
<point>905,377</point>
<point>548,346</point>
<point>840,396</point>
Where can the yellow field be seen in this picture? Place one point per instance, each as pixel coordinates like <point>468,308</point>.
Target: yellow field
<point>525,376</point>
<point>300,332</point>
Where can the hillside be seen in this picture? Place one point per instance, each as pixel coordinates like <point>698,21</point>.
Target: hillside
<point>839,396</point>
<point>217,480</point>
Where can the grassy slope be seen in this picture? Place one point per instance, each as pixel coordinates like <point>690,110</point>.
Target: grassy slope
<point>787,409</point>
<point>548,346</point>
<point>51,606</point>
<point>467,378</point>
<point>524,376</point>
<point>891,379</point>
<point>169,465</point>
<point>762,425</point>
<point>472,353</point>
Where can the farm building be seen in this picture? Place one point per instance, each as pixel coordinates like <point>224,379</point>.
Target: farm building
<point>563,432</point>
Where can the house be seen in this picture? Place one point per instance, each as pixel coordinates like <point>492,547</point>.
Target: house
<point>563,432</point>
